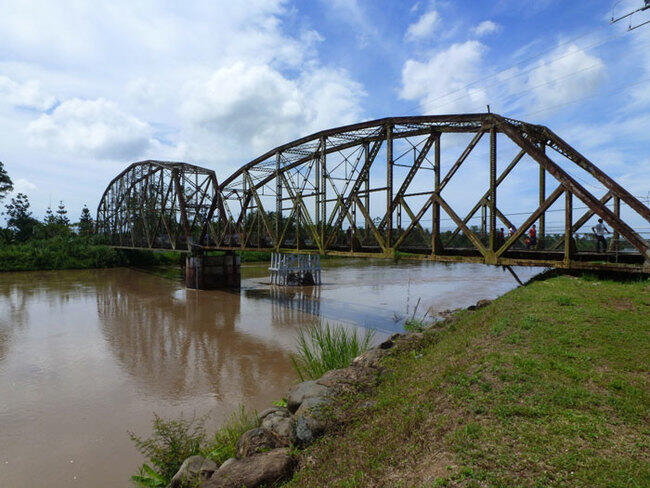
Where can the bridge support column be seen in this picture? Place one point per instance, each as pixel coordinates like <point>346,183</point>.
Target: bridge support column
<point>203,272</point>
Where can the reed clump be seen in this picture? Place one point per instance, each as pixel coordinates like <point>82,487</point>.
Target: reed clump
<point>322,347</point>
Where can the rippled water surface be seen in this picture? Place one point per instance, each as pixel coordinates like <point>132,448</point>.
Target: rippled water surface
<point>87,355</point>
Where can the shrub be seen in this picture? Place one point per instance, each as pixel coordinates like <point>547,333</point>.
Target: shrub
<point>322,348</point>
<point>171,443</point>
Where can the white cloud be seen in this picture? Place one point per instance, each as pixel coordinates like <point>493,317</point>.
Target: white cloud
<point>486,27</point>
<point>21,185</point>
<point>250,108</point>
<point>96,128</point>
<point>565,75</point>
<point>439,83</point>
<point>423,27</point>
<point>28,94</point>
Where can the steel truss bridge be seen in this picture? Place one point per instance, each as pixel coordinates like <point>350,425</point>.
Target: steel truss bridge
<point>428,187</point>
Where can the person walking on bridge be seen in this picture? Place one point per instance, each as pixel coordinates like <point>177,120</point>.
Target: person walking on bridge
<point>599,231</point>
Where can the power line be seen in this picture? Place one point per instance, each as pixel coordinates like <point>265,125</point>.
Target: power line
<point>624,87</point>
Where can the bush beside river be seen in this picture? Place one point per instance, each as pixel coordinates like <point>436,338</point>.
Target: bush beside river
<point>74,252</point>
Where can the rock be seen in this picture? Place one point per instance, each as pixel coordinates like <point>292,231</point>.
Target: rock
<point>310,420</point>
<point>278,422</point>
<point>351,379</point>
<point>370,358</point>
<point>483,303</point>
<point>300,392</point>
<point>188,474</point>
<point>254,441</point>
<point>471,308</point>
<point>207,469</point>
<point>409,340</point>
<point>259,469</point>
<point>386,344</point>
<point>272,410</point>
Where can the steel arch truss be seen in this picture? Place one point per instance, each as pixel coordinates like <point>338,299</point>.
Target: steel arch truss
<point>315,195</point>
<point>160,205</point>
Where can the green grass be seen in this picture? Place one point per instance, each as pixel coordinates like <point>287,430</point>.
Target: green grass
<point>321,348</point>
<point>221,445</point>
<point>547,386</point>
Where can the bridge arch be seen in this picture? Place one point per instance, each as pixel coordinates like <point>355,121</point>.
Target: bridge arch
<point>381,186</point>
<point>159,204</point>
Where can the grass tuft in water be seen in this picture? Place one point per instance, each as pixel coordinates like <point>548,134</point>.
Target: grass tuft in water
<point>322,348</point>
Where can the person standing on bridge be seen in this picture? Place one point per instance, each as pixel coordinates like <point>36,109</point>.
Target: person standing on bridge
<point>599,231</point>
<point>532,237</point>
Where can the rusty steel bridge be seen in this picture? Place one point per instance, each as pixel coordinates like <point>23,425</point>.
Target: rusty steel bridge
<point>384,188</point>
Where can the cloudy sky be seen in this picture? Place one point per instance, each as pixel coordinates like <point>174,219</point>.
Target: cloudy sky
<point>88,86</point>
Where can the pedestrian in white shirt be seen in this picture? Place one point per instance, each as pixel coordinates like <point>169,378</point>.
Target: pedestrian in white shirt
<point>599,231</point>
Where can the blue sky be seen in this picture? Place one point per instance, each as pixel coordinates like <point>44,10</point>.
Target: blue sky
<point>87,87</point>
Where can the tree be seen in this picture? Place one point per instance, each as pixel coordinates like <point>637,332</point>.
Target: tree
<point>86,223</point>
<point>62,215</point>
<point>20,218</point>
<point>6,185</point>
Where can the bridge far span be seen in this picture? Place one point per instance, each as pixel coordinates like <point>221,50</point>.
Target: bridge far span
<point>387,187</point>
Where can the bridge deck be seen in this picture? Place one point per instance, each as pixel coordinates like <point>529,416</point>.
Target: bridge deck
<point>627,262</point>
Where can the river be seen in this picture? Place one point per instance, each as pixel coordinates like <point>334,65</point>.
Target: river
<point>87,355</point>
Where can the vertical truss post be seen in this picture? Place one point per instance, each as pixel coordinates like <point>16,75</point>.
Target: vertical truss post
<point>389,185</point>
<point>568,227</point>
<point>317,179</point>
<point>323,189</point>
<point>435,222</point>
<point>493,188</point>
<point>484,220</point>
<point>613,244</point>
<point>542,196</point>
<point>366,184</point>
<point>183,208</point>
<point>278,195</point>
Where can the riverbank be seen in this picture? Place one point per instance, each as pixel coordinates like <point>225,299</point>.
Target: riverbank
<point>546,386</point>
<point>79,252</point>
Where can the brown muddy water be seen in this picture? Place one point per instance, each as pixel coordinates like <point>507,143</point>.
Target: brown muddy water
<point>87,355</point>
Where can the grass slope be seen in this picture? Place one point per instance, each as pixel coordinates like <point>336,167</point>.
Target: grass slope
<point>547,386</point>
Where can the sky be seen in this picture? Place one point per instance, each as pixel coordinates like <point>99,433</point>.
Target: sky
<point>88,87</point>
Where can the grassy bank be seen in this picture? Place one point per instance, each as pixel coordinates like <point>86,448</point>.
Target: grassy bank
<point>547,386</point>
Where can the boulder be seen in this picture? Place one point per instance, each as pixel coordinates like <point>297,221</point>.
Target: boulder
<point>348,380</point>
<point>272,410</point>
<point>207,469</point>
<point>278,422</point>
<point>310,419</point>
<point>188,474</point>
<point>254,441</point>
<point>370,358</point>
<point>300,392</point>
<point>409,340</point>
<point>259,469</point>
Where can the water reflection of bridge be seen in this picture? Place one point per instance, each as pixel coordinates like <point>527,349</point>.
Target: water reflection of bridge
<point>386,186</point>
<point>182,346</point>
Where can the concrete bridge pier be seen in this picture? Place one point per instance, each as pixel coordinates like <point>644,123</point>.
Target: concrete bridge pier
<point>204,272</point>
